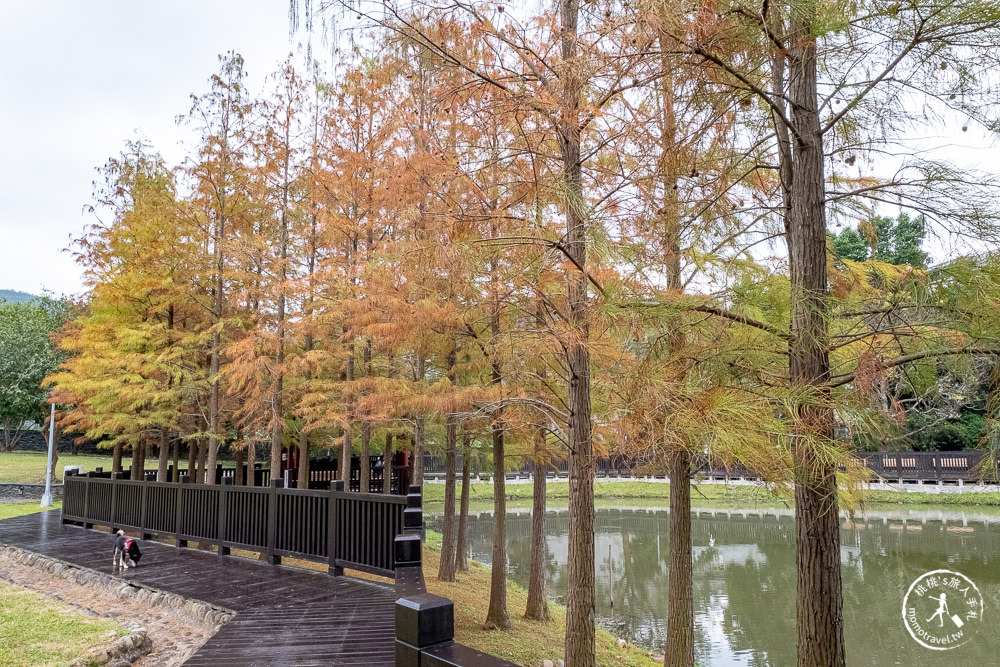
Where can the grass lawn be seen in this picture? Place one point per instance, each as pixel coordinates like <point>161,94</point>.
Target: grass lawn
<point>529,642</point>
<point>38,631</point>
<point>29,467</point>
<point>701,494</point>
<point>9,510</point>
<point>713,495</point>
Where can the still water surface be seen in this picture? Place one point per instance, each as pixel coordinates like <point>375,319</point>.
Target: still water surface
<point>744,578</point>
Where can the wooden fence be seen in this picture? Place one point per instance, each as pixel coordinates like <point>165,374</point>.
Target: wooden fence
<point>344,529</point>
<point>322,472</point>
<point>925,466</point>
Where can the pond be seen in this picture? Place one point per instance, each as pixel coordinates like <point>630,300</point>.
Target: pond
<point>744,578</point>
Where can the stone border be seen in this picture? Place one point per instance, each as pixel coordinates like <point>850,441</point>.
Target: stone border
<point>15,492</point>
<point>201,612</point>
<point>123,651</point>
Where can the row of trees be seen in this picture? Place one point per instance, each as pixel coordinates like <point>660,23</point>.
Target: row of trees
<point>595,228</point>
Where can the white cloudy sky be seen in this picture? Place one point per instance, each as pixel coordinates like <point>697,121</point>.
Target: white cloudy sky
<point>77,79</point>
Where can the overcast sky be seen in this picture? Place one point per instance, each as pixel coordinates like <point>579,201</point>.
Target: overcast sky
<point>78,79</point>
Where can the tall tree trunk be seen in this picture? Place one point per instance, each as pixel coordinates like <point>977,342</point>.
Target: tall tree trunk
<point>277,396</point>
<point>819,597</point>
<point>192,469</point>
<point>240,459</point>
<point>214,398</point>
<point>176,456</point>
<point>304,471</point>
<point>366,456</point>
<point>366,430</point>
<point>277,425</point>
<point>251,462</point>
<point>580,617</point>
<point>203,451</point>
<point>387,465</point>
<point>55,456</point>
<point>135,472</point>
<point>116,458</point>
<point>462,542</point>
<point>164,460</point>
<point>346,446</point>
<point>679,651</point>
<point>446,568</point>
<point>419,428</point>
<point>496,614</point>
<point>537,608</point>
<point>302,482</point>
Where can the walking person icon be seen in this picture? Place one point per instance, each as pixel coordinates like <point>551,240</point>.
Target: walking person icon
<point>941,611</point>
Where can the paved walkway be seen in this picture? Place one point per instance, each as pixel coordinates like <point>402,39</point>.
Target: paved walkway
<point>284,615</point>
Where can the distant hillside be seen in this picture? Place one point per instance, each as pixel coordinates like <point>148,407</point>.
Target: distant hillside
<point>14,296</point>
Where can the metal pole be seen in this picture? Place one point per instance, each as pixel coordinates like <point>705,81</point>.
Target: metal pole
<point>47,496</point>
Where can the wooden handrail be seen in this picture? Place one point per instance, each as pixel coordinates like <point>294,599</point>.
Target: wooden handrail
<point>343,529</point>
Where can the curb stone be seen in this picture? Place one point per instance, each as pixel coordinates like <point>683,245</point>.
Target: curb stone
<point>197,610</point>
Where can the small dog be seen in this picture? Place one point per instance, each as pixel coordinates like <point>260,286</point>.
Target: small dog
<point>132,553</point>
<point>120,558</point>
<point>127,552</point>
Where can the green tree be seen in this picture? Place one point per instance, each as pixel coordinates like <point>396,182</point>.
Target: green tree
<point>894,241</point>
<point>849,244</point>
<point>27,356</point>
<point>899,241</point>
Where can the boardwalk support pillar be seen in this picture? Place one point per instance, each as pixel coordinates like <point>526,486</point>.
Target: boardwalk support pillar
<point>422,622</point>
<point>336,491</point>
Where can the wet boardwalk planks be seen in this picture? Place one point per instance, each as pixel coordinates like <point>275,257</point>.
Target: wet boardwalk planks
<point>284,615</point>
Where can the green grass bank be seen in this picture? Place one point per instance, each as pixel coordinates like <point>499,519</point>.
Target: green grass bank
<point>29,467</point>
<point>715,495</point>
<point>35,630</point>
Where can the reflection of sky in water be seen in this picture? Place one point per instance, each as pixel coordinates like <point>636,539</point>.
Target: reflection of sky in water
<point>744,578</point>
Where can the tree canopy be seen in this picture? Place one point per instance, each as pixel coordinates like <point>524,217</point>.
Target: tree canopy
<point>27,356</point>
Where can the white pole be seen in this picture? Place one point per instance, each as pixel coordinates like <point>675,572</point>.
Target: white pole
<point>47,496</point>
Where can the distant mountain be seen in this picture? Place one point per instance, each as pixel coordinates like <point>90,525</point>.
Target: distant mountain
<point>14,296</point>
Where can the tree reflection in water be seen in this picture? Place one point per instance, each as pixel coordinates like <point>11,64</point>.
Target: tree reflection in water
<point>744,578</point>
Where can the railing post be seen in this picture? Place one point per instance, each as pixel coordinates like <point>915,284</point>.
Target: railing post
<point>333,525</point>
<point>272,522</point>
<point>223,513</point>
<point>86,502</point>
<point>937,466</point>
<point>178,542</point>
<point>143,506</point>
<point>422,621</point>
<point>413,515</point>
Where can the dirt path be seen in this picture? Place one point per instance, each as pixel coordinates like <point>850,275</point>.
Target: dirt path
<point>175,634</point>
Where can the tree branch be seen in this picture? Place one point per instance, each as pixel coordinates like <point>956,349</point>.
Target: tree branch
<point>841,380</point>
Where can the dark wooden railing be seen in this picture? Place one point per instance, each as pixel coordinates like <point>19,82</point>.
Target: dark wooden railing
<point>322,472</point>
<point>346,530</point>
<point>376,533</point>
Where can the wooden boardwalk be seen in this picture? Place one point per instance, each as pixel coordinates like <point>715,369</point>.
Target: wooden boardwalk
<point>284,615</point>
